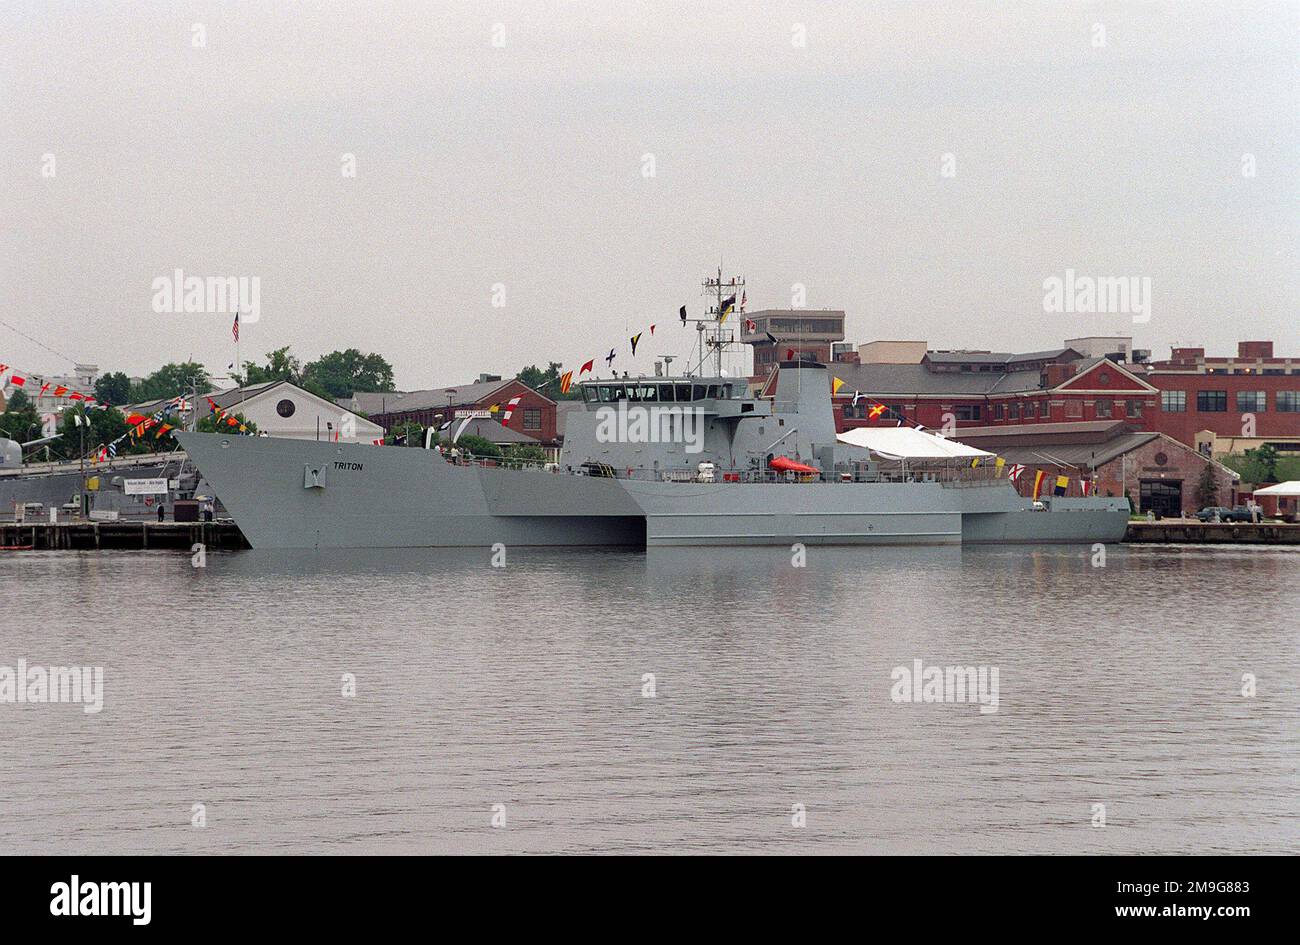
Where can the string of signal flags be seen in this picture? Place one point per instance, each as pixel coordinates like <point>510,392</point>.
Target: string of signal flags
<point>48,387</point>
<point>729,306</point>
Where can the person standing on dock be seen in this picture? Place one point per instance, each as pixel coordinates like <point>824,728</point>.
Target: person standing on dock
<point>162,512</point>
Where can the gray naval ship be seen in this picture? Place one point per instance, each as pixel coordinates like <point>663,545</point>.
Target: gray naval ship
<point>649,461</point>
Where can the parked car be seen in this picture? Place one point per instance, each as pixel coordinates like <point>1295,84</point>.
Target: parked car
<point>1237,513</point>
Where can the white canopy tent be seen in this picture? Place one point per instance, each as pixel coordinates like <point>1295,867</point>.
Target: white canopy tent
<point>907,444</point>
<point>1283,490</point>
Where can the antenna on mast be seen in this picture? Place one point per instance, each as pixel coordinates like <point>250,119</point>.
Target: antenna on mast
<point>725,303</point>
<point>712,337</point>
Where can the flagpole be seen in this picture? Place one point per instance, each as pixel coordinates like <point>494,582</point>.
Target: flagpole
<point>239,380</point>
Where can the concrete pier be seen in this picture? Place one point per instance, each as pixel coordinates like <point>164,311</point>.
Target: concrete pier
<point>1212,533</point>
<point>130,536</point>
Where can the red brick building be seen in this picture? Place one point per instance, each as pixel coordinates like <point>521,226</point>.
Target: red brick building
<point>952,390</point>
<point>1157,472</point>
<point>533,416</point>
<point>1216,405</point>
<point>1229,405</point>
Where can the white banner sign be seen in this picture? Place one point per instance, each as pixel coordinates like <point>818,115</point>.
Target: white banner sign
<point>144,486</point>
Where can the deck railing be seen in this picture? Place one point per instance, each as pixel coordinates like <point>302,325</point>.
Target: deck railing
<point>955,476</point>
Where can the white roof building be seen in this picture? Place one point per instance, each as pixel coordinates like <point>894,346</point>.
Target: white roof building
<point>280,408</point>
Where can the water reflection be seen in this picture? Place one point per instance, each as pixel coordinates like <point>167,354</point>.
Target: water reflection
<point>524,685</point>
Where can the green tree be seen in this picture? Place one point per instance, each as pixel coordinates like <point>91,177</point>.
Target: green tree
<point>171,380</point>
<point>210,424</point>
<point>1259,465</point>
<point>343,373</point>
<point>525,454</point>
<point>478,446</point>
<point>20,421</point>
<point>547,382</point>
<point>99,428</point>
<point>113,389</point>
<point>1207,488</point>
<point>413,432</point>
<point>280,366</point>
<point>1266,458</point>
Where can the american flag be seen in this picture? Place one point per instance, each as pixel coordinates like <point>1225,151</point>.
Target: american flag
<point>235,328</point>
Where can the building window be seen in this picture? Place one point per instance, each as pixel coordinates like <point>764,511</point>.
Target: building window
<point>967,412</point>
<point>532,418</point>
<point>1252,401</point>
<point>1031,409</point>
<point>1135,408</point>
<point>1212,401</point>
<point>1103,377</point>
<point>1103,408</point>
<point>1288,401</point>
<point>1074,408</point>
<point>999,412</point>
<point>1173,401</point>
<point>1046,411</point>
<point>285,408</point>
<point>1015,411</point>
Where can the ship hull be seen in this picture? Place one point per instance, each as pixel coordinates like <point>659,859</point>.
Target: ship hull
<point>302,494</point>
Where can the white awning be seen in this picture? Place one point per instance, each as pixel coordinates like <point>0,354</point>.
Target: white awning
<point>1289,489</point>
<point>909,443</point>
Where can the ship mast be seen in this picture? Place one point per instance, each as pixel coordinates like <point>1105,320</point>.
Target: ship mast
<point>714,338</point>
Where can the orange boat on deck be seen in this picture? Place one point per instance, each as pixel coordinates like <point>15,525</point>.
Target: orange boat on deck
<point>786,464</point>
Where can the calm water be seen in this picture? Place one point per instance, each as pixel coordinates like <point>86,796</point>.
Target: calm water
<point>523,687</point>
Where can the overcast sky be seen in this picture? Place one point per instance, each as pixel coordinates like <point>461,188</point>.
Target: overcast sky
<point>523,164</point>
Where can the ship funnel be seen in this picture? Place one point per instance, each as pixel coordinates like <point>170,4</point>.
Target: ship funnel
<point>804,388</point>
